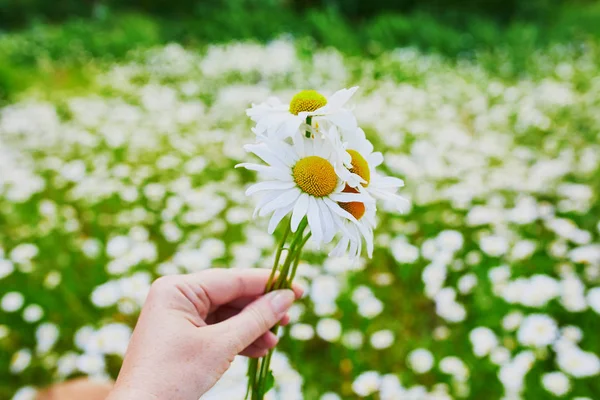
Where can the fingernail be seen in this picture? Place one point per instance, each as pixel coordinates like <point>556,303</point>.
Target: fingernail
<point>281,300</point>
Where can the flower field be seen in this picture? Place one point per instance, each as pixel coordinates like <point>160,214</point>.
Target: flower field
<point>487,287</point>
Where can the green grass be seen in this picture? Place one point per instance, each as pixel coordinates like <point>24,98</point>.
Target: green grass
<point>52,55</point>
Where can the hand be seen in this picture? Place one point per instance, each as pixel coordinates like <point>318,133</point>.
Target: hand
<point>191,328</point>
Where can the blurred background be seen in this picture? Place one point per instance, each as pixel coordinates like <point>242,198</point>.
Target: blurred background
<point>121,123</point>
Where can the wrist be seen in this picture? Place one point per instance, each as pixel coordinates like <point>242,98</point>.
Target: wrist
<point>127,392</point>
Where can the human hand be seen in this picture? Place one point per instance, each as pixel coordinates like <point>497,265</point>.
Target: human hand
<point>192,326</point>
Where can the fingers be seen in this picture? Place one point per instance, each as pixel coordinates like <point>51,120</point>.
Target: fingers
<point>254,352</point>
<point>226,312</point>
<point>221,286</point>
<point>256,319</point>
<point>261,346</point>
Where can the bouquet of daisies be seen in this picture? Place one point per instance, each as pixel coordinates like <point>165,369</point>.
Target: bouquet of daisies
<point>320,176</point>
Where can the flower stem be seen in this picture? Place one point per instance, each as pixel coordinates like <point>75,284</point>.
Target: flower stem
<point>308,122</point>
<point>258,370</point>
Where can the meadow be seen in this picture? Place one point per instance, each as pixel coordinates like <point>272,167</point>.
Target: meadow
<point>117,170</point>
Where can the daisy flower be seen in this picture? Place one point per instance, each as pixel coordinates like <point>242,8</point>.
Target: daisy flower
<point>308,107</point>
<point>363,175</point>
<point>301,179</point>
<point>352,233</point>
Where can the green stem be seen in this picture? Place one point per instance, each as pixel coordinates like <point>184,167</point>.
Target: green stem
<point>297,260</point>
<point>252,369</point>
<point>268,288</point>
<point>253,366</point>
<point>308,122</point>
<point>283,282</point>
<point>283,276</point>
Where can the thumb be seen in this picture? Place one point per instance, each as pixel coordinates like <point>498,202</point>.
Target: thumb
<point>257,318</point>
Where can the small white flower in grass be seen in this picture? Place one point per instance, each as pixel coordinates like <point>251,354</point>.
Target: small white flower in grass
<point>494,245</point>
<point>576,362</point>
<point>46,336</point>
<point>302,332</point>
<point>52,279</point>
<point>404,252</point>
<point>499,274</point>
<point>434,275</point>
<point>330,396</point>
<point>91,247</point>
<point>573,293</point>
<point>361,293</point>
<point>484,340</point>
<point>572,333</point>
<point>366,383</point>
<point>512,373</point>
<point>556,383</point>
<point>441,333</point>
<point>329,329</point>
<point>512,321</point>
<point>6,268</point>
<point>370,307</point>
<point>589,254</point>
<point>382,339</point>
<point>114,338</point>
<point>500,356</point>
<point>4,331</point>
<point>66,364</point>
<point>593,299</point>
<point>25,393</point>
<point>278,120</point>
<point>24,253</point>
<point>83,336</point>
<point>523,249</point>
<point>450,240</point>
<point>353,339</point>
<point>118,246</point>
<point>473,257</point>
<point>420,360</point>
<point>537,330</point>
<point>91,364</point>
<point>454,366</point>
<point>12,301</point>
<point>295,312</point>
<point>466,283</point>
<point>447,307</point>
<point>301,180</point>
<point>20,360</point>
<point>107,294</point>
<point>390,387</point>
<point>33,313</point>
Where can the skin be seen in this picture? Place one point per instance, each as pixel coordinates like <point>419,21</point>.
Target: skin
<point>192,326</point>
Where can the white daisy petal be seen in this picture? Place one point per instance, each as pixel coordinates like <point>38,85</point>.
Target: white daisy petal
<point>264,153</point>
<point>266,199</point>
<point>329,227</point>
<point>269,185</point>
<point>268,172</point>
<point>388,182</point>
<point>314,220</point>
<point>277,217</point>
<point>299,211</point>
<point>283,200</point>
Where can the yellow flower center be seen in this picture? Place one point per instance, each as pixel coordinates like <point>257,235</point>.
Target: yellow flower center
<point>355,208</point>
<point>307,100</point>
<point>360,166</point>
<point>315,176</point>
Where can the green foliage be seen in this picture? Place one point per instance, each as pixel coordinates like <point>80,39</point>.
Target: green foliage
<point>40,53</point>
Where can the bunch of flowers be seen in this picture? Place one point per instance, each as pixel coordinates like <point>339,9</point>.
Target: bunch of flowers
<point>321,177</point>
